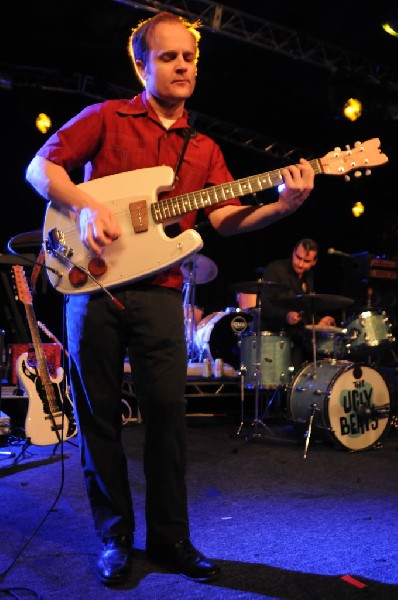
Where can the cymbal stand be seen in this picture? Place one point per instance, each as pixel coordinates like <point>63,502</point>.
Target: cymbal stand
<point>243,370</point>
<point>257,422</point>
<point>314,409</point>
<point>313,338</point>
<point>189,316</point>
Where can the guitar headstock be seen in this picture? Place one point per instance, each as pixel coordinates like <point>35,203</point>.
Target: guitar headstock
<point>21,285</point>
<point>362,156</point>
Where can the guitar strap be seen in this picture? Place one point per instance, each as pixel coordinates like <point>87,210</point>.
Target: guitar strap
<point>37,269</point>
<point>188,134</point>
<point>174,229</point>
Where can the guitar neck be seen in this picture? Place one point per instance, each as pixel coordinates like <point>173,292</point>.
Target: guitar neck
<point>42,365</point>
<point>168,208</point>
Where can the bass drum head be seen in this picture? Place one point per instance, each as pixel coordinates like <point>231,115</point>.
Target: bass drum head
<point>219,334</point>
<point>352,402</point>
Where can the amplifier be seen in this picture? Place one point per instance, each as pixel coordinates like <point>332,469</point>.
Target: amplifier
<point>52,352</point>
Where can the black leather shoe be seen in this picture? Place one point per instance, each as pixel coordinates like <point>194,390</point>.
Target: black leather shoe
<point>114,561</point>
<point>184,559</point>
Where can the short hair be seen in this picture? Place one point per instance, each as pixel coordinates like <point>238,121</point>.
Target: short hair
<point>138,45</point>
<point>309,245</point>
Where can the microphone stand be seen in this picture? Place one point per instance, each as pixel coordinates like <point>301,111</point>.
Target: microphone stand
<point>189,314</point>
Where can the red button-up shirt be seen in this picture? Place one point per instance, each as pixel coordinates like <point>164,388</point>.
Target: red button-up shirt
<point>123,135</point>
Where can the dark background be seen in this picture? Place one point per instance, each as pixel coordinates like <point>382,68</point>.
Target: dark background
<point>272,77</point>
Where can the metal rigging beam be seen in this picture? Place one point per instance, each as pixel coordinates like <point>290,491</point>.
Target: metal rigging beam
<point>259,32</point>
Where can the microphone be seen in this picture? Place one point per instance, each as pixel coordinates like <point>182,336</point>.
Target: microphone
<point>339,253</point>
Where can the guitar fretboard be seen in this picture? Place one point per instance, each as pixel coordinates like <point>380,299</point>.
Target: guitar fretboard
<point>179,205</point>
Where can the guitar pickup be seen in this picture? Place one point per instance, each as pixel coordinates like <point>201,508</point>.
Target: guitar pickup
<point>139,216</point>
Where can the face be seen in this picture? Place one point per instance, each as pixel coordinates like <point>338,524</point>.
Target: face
<point>303,260</point>
<point>170,73</point>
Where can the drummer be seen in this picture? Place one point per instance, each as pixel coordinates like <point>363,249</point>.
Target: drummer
<point>296,273</point>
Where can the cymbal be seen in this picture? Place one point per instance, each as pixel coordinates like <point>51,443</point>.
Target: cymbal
<point>202,269</point>
<point>325,328</point>
<point>258,287</point>
<point>313,302</point>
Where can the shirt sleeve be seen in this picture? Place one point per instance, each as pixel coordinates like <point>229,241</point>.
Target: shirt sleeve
<point>75,142</point>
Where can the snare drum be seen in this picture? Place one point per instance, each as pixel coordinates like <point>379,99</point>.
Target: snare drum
<point>218,335</point>
<point>275,359</point>
<point>351,402</point>
<point>367,331</point>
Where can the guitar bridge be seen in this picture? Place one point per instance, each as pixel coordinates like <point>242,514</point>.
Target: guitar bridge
<point>55,244</point>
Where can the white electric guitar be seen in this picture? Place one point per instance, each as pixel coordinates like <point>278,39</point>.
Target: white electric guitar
<point>144,249</point>
<point>50,418</point>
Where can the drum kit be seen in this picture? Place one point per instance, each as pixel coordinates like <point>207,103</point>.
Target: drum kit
<point>338,394</point>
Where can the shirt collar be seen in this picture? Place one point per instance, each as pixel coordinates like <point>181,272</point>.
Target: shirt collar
<point>139,105</point>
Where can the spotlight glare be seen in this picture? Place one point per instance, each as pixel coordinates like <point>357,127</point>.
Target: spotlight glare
<point>43,122</point>
<point>352,109</point>
<point>358,209</point>
<point>391,28</point>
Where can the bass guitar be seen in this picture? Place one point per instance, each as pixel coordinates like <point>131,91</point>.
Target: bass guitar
<point>144,249</point>
<point>50,416</point>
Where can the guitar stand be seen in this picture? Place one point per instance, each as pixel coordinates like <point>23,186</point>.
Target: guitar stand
<point>28,443</point>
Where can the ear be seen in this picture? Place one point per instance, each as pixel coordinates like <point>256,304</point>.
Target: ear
<point>141,69</point>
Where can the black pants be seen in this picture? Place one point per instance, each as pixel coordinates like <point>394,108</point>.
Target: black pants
<point>151,328</point>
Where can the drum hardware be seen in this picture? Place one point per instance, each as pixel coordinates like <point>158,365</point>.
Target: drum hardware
<point>313,408</point>
<point>257,422</point>
<point>242,400</point>
<point>195,270</point>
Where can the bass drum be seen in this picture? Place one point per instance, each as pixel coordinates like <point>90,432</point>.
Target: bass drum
<point>350,403</point>
<point>218,335</point>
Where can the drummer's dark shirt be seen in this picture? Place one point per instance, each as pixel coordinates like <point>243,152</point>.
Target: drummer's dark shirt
<point>273,317</point>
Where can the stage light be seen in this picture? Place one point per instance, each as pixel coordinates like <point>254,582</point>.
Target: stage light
<point>352,109</point>
<point>43,122</point>
<point>358,209</point>
<point>391,27</point>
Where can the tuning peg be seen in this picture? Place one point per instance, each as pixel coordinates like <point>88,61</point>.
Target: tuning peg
<point>357,174</point>
<point>368,172</point>
<point>337,149</point>
<point>347,178</point>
